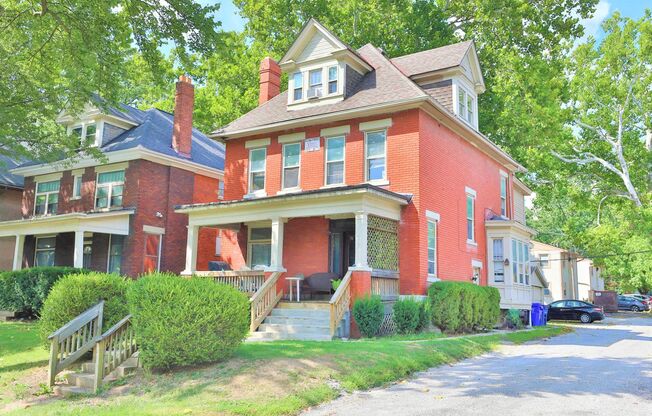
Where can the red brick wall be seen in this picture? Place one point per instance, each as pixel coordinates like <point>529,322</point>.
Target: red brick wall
<point>306,246</point>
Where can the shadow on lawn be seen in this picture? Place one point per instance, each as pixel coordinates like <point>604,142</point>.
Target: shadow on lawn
<point>23,366</point>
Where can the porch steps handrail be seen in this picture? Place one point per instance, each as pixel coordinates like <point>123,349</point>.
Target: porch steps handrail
<point>70,342</point>
<point>247,281</point>
<point>340,302</point>
<point>113,348</point>
<point>264,300</point>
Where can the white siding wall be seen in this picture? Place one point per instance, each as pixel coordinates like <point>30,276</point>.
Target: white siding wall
<point>519,207</point>
<point>317,47</point>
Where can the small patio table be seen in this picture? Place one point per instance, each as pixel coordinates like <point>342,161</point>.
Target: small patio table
<point>298,280</point>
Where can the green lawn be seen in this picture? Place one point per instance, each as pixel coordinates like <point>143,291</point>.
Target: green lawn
<point>276,378</point>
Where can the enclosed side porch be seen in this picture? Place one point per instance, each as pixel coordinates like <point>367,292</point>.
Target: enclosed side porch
<point>84,240</point>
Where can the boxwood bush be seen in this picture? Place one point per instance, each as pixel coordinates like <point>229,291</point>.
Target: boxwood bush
<point>463,307</point>
<point>75,293</point>
<point>23,291</point>
<point>406,316</point>
<point>368,313</point>
<point>182,321</point>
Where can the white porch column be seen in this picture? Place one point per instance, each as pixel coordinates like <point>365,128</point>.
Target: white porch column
<point>361,241</point>
<point>191,250</point>
<point>276,263</point>
<point>18,252</point>
<point>78,257</point>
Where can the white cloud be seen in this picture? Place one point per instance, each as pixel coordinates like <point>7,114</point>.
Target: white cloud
<point>592,25</point>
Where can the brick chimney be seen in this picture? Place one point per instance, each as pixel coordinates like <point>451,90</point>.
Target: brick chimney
<point>184,100</point>
<point>270,80</point>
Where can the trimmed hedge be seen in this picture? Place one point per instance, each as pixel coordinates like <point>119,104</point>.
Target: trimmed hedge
<point>182,321</point>
<point>463,307</point>
<point>75,293</point>
<point>369,313</point>
<point>24,291</point>
<point>406,316</point>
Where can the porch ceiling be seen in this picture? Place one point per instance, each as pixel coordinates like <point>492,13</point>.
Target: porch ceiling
<point>112,222</point>
<point>334,201</point>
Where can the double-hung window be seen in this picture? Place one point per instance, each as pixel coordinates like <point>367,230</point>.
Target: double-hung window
<point>297,79</point>
<point>376,149</point>
<point>498,260</point>
<point>465,105</point>
<point>315,85</point>
<point>503,195</point>
<point>332,79</point>
<point>521,262</point>
<point>109,189</point>
<point>89,134</point>
<point>335,160</point>
<point>432,248</point>
<point>220,190</point>
<point>257,169</point>
<point>76,186</point>
<point>544,260</point>
<point>152,257</point>
<point>116,243</point>
<point>291,165</point>
<point>45,248</point>
<point>260,247</point>
<point>46,198</point>
<point>470,218</point>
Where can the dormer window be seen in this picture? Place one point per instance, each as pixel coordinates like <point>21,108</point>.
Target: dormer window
<point>332,79</point>
<point>87,134</point>
<point>298,86</point>
<point>315,85</point>
<point>465,105</point>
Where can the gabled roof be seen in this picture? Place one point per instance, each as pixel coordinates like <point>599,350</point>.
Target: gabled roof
<point>9,179</point>
<point>385,84</point>
<point>433,59</point>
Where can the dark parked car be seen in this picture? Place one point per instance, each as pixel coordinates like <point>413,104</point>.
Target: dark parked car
<point>575,310</point>
<point>632,304</point>
<point>646,299</point>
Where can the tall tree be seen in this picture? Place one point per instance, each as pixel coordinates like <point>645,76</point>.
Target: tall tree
<point>55,55</point>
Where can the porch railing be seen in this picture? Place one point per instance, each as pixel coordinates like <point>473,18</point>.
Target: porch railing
<point>244,281</point>
<point>340,302</point>
<point>70,342</point>
<point>264,300</point>
<point>115,347</point>
<point>385,286</point>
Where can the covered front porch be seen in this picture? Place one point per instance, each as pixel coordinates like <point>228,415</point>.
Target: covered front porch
<point>84,240</point>
<point>348,235</point>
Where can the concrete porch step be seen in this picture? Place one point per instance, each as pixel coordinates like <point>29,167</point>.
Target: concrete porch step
<point>301,313</point>
<point>295,329</point>
<point>318,305</point>
<point>300,320</point>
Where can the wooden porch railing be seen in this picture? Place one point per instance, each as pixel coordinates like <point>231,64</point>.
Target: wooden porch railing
<point>115,347</point>
<point>340,302</point>
<point>264,300</point>
<point>385,287</point>
<point>70,342</point>
<point>244,281</point>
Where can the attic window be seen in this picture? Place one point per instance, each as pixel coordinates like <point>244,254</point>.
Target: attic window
<point>332,79</point>
<point>298,86</point>
<point>315,86</point>
<point>465,105</point>
<point>86,133</point>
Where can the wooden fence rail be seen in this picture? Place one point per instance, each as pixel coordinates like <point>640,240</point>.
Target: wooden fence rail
<point>70,342</point>
<point>264,300</point>
<point>115,347</point>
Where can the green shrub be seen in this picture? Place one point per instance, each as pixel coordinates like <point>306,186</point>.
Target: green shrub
<point>513,318</point>
<point>24,291</point>
<point>182,321</point>
<point>75,293</point>
<point>406,316</point>
<point>368,313</point>
<point>463,307</point>
<point>424,316</point>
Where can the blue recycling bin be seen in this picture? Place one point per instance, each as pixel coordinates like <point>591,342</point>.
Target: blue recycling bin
<point>538,314</point>
<point>545,314</point>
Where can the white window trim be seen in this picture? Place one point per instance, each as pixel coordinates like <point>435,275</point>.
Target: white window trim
<point>47,196</point>
<point>470,193</point>
<point>76,193</point>
<point>457,84</point>
<point>36,249</point>
<point>249,243</point>
<point>293,87</point>
<point>503,177</point>
<point>260,192</point>
<point>319,85</point>
<point>328,80</point>
<point>221,189</point>
<point>384,180</point>
<point>493,261</point>
<point>432,218</point>
<point>256,143</point>
<point>110,194</point>
<point>99,128</point>
<point>326,184</point>
<point>527,275</point>
<point>291,138</point>
<point>283,167</point>
<point>158,255</point>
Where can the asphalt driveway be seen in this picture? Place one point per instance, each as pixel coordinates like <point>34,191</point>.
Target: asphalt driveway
<point>600,369</point>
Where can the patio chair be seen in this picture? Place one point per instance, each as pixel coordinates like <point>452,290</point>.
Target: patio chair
<point>318,283</point>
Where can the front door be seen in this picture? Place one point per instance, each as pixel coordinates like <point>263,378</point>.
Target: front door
<point>342,246</point>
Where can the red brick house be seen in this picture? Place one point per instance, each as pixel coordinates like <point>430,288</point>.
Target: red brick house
<point>117,214</point>
<point>11,194</point>
<point>368,165</point>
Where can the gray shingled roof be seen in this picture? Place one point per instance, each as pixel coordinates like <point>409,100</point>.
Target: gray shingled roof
<point>154,132</point>
<point>9,179</point>
<point>385,84</point>
<point>433,59</point>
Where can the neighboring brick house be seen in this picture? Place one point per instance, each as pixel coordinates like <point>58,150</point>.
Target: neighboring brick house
<point>372,165</point>
<point>11,195</point>
<point>117,214</point>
